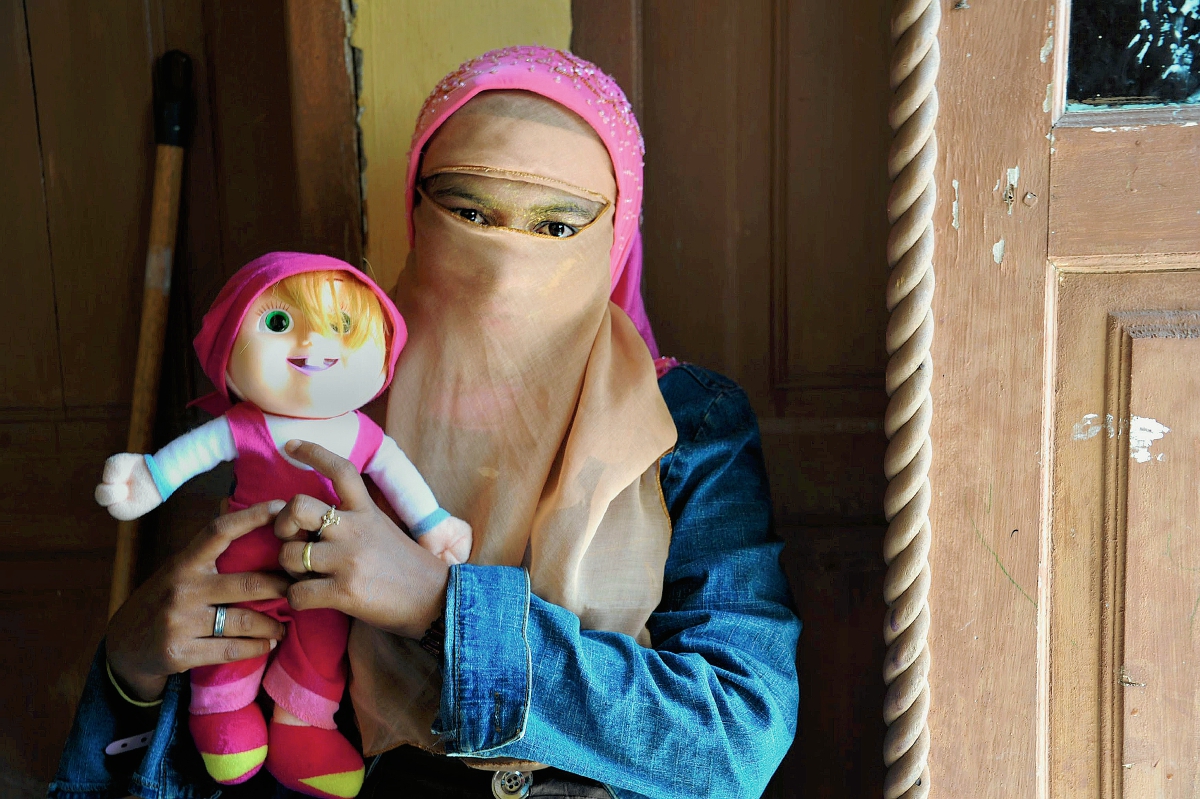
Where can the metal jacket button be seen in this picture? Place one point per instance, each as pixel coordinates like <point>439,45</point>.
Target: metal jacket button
<point>511,784</point>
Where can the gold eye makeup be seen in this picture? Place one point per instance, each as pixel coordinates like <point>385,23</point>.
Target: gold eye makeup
<point>528,207</point>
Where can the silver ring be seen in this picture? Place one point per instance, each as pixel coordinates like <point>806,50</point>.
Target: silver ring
<point>219,622</point>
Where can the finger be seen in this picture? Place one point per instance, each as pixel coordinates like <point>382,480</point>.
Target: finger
<point>246,623</point>
<point>320,557</point>
<point>299,518</point>
<point>224,530</point>
<point>108,493</point>
<point>319,593</point>
<point>348,483</point>
<point>211,651</point>
<point>228,589</point>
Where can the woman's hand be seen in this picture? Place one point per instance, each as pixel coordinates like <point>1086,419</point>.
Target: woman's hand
<point>166,625</point>
<point>364,566</point>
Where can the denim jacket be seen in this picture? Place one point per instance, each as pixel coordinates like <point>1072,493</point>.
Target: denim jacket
<point>708,711</point>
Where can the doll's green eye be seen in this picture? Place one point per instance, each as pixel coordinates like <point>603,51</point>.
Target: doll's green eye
<point>345,324</point>
<point>276,321</point>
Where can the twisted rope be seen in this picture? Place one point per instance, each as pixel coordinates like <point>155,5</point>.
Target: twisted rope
<point>912,115</point>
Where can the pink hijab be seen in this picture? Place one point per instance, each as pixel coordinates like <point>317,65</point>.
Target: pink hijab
<point>583,88</point>
<point>214,342</point>
<point>525,398</point>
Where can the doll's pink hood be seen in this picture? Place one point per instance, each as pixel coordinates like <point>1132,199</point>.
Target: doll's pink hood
<point>220,327</point>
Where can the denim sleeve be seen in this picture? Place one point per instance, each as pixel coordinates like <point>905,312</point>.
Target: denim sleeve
<point>710,709</point>
<point>161,770</point>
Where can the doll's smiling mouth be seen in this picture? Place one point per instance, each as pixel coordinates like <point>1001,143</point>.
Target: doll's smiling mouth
<point>310,366</point>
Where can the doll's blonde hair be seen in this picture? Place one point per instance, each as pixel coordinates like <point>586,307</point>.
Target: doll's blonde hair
<point>304,295</point>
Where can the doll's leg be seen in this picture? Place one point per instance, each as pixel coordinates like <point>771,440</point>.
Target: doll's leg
<point>306,680</point>
<point>227,725</point>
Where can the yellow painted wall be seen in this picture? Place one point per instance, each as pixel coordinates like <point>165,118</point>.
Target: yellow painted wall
<point>408,45</point>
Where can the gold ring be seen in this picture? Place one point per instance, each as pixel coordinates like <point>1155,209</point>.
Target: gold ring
<point>330,518</point>
<point>306,557</point>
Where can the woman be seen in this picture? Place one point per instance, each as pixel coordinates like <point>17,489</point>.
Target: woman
<point>623,618</point>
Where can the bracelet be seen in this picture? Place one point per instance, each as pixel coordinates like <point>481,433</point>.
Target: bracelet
<point>125,696</point>
<point>434,639</point>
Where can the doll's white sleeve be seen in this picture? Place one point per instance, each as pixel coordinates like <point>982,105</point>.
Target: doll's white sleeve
<point>193,453</point>
<point>410,496</point>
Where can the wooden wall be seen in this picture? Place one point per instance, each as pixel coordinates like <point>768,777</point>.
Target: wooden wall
<point>766,136</point>
<point>75,173</point>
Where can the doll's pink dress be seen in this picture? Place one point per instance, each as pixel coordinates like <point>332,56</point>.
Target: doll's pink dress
<point>308,672</point>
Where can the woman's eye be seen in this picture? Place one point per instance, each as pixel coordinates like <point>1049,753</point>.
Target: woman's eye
<point>276,321</point>
<point>469,214</point>
<point>558,230</point>
<point>345,324</point>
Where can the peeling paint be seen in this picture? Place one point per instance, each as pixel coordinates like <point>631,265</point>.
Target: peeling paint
<point>1143,432</point>
<point>954,207</point>
<point>1010,190</point>
<point>1047,48</point>
<point>1090,427</point>
<point>998,251</point>
<point>1048,103</point>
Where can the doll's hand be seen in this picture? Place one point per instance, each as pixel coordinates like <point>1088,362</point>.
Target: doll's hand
<point>449,539</point>
<point>127,490</point>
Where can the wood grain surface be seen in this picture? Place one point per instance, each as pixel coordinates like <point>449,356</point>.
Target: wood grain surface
<point>1103,321</point>
<point>1160,669</point>
<point>97,143</point>
<point>323,129</point>
<point>32,380</point>
<point>1119,189</point>
<point>989,395</point>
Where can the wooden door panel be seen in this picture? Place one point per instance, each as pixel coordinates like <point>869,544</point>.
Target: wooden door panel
<point>1159,668</point>
<point>93,79</point>
<point>1118,188</point>
<point>1122,680</point>
<point>832,114</point>
<point>766,180</point>
<point>30,377</point>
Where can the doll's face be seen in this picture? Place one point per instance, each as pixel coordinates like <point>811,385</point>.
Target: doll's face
<point>287,368</point>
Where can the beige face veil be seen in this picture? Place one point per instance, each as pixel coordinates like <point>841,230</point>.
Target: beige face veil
<point>525,397</point>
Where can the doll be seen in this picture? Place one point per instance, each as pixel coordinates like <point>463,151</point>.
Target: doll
<point>295,344</point>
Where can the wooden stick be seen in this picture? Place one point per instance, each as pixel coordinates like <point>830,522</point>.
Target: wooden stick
<point>170,121</point>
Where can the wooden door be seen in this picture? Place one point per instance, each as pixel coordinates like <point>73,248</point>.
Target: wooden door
<point>1065,560</point>
<point>766,182</point>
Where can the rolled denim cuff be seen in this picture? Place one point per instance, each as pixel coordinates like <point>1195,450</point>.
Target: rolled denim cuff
<point>86,770</point>
<point>487,677</point>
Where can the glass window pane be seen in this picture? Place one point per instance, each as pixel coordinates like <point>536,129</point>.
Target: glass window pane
<point>1128,52</point>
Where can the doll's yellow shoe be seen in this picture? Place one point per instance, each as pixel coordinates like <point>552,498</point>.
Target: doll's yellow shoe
<point>233,745</point>
<point>314,761</point>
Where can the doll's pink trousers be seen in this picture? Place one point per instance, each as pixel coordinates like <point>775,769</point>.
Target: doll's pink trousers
<point>307,673</point>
